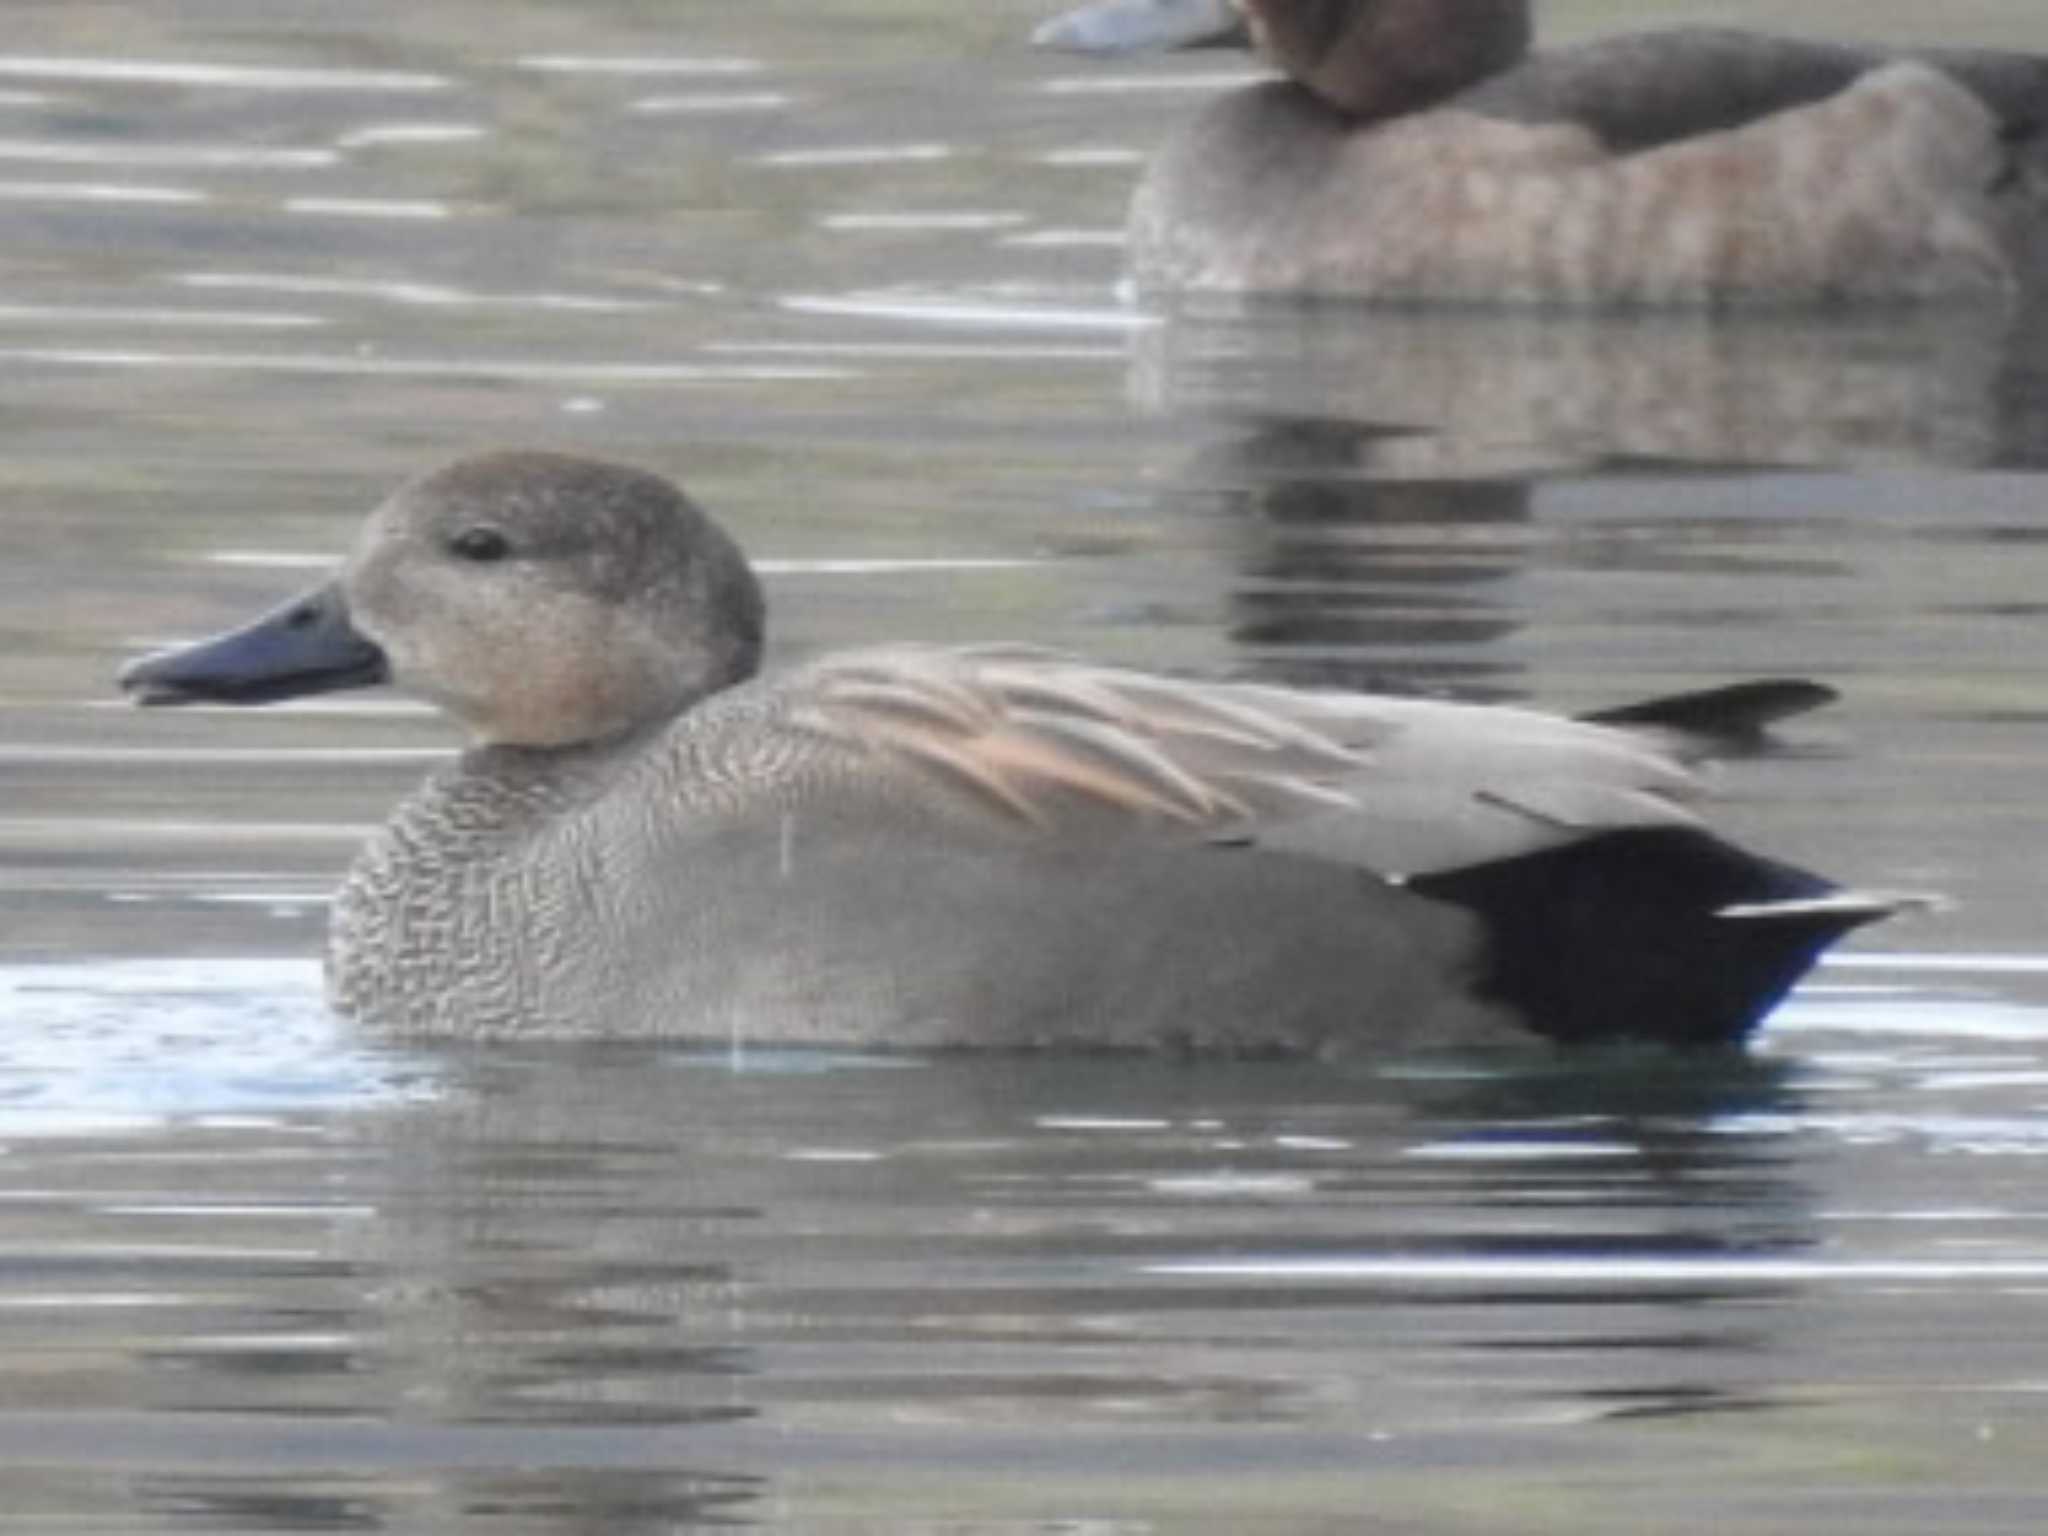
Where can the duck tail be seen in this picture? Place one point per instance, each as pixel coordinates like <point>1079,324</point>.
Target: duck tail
<point>1718,721</point>
<point>1662,934</point>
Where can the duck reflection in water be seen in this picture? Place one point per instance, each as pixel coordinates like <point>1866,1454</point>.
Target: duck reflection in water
<point>1348,576</point>
<point>1489,393</point>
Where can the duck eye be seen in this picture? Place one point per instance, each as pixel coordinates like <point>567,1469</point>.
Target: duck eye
<point>480,544</point>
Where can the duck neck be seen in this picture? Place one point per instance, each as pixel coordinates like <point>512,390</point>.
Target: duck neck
<point>419,934</point>
<point>508,785</point>
<point>1382,58</point>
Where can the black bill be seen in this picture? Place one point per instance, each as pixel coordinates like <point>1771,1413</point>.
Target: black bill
<point>305,646</point>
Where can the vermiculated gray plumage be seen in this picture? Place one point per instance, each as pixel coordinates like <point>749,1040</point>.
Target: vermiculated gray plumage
<point>999,847</point>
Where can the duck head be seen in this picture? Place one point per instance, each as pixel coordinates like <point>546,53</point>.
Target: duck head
<point>1366,58</point>
<point>541,600</point>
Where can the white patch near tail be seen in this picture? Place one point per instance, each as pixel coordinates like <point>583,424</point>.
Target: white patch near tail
<point>1872,904</point>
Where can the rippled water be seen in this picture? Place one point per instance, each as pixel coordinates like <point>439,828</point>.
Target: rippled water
<point>849,269</point>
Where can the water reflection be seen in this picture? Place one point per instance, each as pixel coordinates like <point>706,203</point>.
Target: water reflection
<point>1390,486</point>
<point>1350,576</point>
<point>628,1502</point>
<point>115,71</point>
<point>520,1290</point>
<point>1484,392</point>
<point>719,1230</point>
<point>811,1283</point>
<point>164,156</point>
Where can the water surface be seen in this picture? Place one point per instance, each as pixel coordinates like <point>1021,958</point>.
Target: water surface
<point>850,270</point>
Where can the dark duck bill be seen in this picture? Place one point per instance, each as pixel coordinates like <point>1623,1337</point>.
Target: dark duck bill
<point>302,647</point>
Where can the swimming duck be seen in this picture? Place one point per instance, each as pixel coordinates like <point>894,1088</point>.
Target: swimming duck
<point>1418,151</point>
<point>927,846</point>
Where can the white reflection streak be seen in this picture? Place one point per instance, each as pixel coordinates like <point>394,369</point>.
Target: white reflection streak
<point>369,208</point>
<point>941,311</point>
<point>857,154</point>
<point>96,192</point>
<point>248,77</point>
<point>986,352</point>
<point>1092,155</point>
<point>2002,1135</point>
<point>131,830</point>
<point>307,1210</point>
<point>710,102</point>
<point>254,757</point>
<point>915,221</point>
<point>410,133</point>
<point>1965,1082</point>
<point>345,706</point>
<point>1233,1184</point>
<point>424,368</point>
<point>1988,964</point>
<point>1949,1018</point>
<point>1124,85</point>
<point>184,156</point>
<point>1067,239</point>
<point>593,64</point>
<point>404,292</point>
<point>252,319</point>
